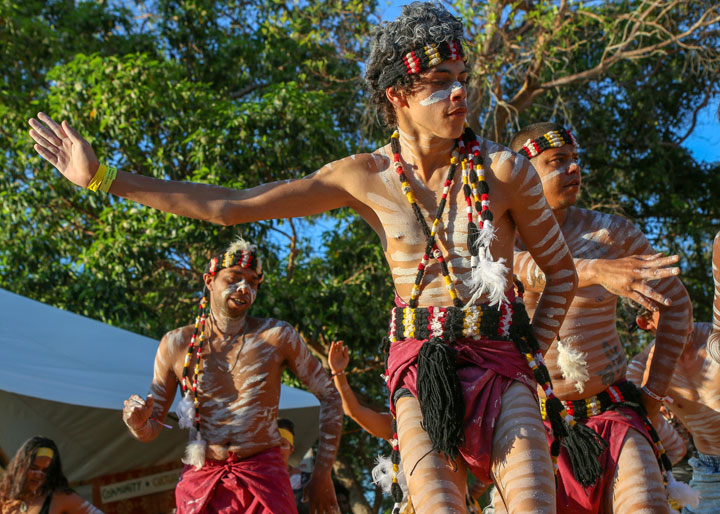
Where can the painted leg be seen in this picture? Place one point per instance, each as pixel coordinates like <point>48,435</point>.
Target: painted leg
<point>637,486</point>
<point>434,486</point>
<point>521,463</point>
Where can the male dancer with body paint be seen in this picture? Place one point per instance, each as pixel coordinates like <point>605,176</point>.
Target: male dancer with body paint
<point>234,461</point>
<point>613,259</point>
<point>694,397</point>
<point>462,301</point>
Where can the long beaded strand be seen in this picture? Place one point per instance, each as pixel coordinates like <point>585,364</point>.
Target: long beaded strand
<point>431,247</point>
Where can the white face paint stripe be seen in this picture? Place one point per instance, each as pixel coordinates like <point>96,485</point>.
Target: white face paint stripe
<point>443,94</point>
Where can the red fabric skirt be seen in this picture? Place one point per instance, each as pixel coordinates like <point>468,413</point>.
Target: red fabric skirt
<point>486,369</point>
<point>254,485</point>
<point>613,426</point>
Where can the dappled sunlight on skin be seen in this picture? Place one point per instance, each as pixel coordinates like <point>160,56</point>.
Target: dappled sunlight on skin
<point>434,485</point>
<point>521,464</point>
<point>590,321</point>
<point>637,486</point>
<point>694,388</point>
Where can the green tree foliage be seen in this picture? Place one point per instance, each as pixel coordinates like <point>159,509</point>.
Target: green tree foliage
<point>630,78</point>
<point>230,93</point>
<point>240,93</point>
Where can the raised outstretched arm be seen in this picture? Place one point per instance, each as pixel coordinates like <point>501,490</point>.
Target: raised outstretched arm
<point>324,190</point>
<point>144,417</point>
<point>319,490</point>
<point>541,234</point>
<point>376,423</point>
<point>713,343</point>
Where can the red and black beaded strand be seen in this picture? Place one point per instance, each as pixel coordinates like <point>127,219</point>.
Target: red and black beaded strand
<point>431,247</point>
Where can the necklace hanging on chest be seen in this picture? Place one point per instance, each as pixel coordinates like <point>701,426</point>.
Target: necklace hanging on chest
<point>488,275</point>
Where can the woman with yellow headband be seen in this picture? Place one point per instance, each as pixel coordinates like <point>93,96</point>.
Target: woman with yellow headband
<point>35,483</point>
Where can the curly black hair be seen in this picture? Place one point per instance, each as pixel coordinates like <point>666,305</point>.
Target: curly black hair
<point>420,24</point>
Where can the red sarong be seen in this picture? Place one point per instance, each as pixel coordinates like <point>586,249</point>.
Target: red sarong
<point>486,369</point>
<point>612,425</point>
<point>254,485</point>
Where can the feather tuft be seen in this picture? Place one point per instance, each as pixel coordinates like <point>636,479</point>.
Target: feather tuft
<point>488,279</point>
<point>573,363</point>
<point>240,245</point>
<point>682,492</point>
<point>195,452</point>
<point>185,411</point>
<point>382,476</point>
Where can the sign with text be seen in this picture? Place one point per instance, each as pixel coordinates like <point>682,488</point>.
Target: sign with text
<point>140,486</point>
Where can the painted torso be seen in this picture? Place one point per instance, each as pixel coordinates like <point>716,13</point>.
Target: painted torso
<point>384,206</point>
<point>695,389</point>
<point>590,322</point>
<point>239,384</point>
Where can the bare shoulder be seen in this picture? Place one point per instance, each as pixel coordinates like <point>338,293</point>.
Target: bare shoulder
<point>176,340</point>
<point>272,330</point>
<point>358,165</point>
<point>506,166</point>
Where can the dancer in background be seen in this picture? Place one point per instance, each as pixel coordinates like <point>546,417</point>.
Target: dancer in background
<point>229,365</point>
<point>587,363</point>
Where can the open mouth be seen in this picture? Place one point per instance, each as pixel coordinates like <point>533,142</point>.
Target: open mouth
<point>238,301</point>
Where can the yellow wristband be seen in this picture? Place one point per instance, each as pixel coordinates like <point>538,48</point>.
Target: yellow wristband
<point>108,180</point>
<point>98,178</point>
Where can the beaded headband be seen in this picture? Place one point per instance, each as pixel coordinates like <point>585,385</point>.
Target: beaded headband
<point>421,59</point>
<point>553,139</point>
<point>247,259</point>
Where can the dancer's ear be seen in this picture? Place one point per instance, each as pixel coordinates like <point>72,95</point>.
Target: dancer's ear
<point>396,97</point>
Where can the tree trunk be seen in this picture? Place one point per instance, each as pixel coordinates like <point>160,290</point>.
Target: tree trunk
<point>344,475</point>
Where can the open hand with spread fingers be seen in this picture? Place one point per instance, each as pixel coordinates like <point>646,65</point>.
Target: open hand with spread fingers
<point>63,147</point>
<point>635,277</point>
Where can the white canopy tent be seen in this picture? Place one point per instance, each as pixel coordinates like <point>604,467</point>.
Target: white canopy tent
<point>65,376</point>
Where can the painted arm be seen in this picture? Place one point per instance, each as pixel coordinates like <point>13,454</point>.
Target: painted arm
<point>322,191</point>
<point>144,416</point>
<point>670,438</point>
<point>713,343</point>
<point>376,423</point>
<point>546,245</point>
<point>626,276</point>
<point>319,490</point>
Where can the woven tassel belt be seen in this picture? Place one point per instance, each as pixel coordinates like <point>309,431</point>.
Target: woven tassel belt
<point>452,323</point>
<point>594,405</point>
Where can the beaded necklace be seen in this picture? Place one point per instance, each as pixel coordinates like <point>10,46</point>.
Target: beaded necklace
<point>196,340</point>
<point>467,153</point>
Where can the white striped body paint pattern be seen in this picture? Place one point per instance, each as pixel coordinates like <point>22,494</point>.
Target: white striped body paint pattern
<point>713,344</point>
<point>521,464</point>
<point>590,323</point>
<point>403,240</point>
<point>239,387</point>
<point>637,486</point>
<point>694,389</point>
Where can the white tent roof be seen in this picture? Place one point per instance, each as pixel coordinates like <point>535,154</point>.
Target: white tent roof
<point>66,376</point>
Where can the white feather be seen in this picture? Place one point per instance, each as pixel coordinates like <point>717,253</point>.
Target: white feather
<point>382,476</point>
<point>681,492</point>
<point>195,452</point>
<point>572,363</point>
<point>486,235</point>
<point>240,245</point>
<point>185,411</point>
<point>488,280</point>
